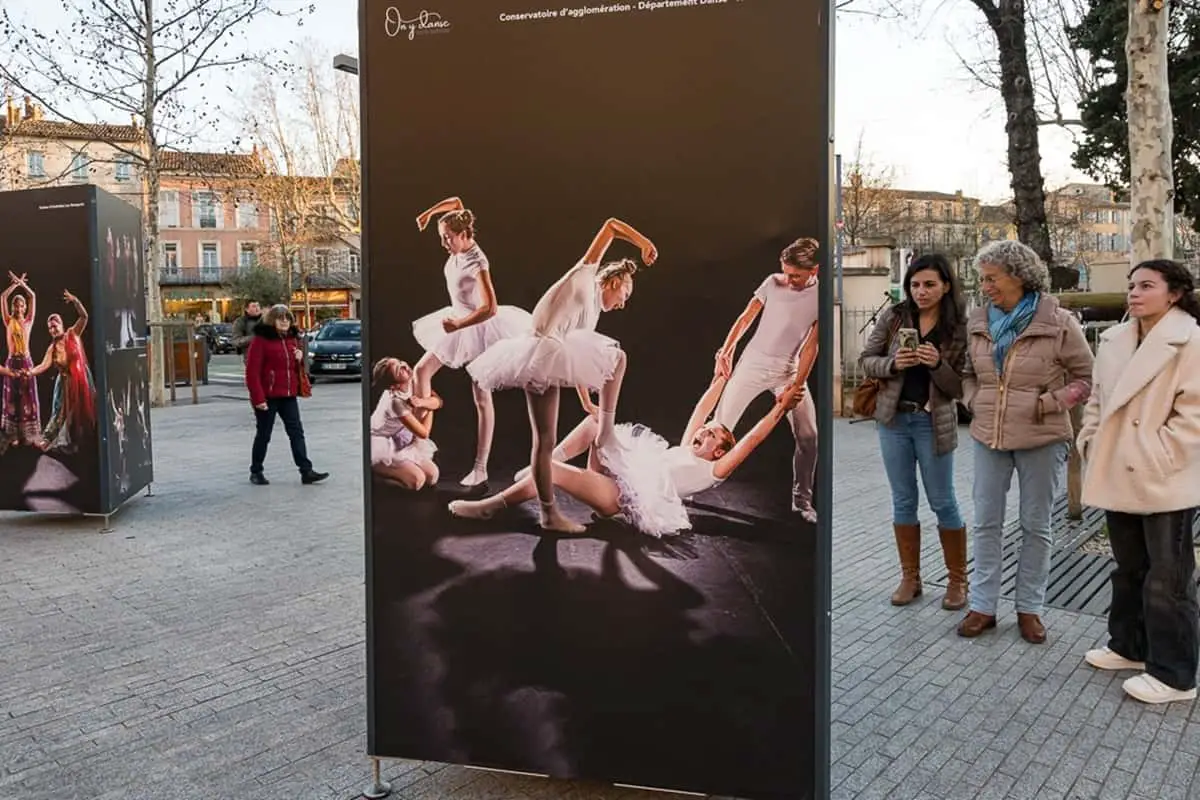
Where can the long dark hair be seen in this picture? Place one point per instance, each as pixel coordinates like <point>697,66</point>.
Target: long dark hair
<point>1178,280</point>
<point>952,309</point>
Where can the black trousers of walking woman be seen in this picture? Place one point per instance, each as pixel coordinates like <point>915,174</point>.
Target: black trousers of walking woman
<point>1154,615</point>
<point>288,410</point>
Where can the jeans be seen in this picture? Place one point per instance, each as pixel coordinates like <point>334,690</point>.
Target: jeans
<point>1039,474</point>
<point>754,374</point>
<point>288,410</point>
<point>1154,616</point>
<point>906,445</point>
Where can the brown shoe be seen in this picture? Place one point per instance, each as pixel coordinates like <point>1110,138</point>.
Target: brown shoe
<point>1032,629</point>
<point>975,623</point>
<point>908,545</point>
<point>954,551</point>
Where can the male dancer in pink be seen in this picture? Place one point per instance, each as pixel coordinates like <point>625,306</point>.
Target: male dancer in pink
<point>787,329</point>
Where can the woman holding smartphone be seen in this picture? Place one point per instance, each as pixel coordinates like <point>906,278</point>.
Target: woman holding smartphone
<point>917,350</point>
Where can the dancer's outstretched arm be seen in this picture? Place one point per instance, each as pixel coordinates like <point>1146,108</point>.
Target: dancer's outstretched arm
<point>614,229</point>
<point>82,321</point>
<point>585,400</point>
<point>724,357</point>
<point>704,408</point>
<point>449,204</point>
<point>46,362</point>
<point>806,359</point>
<point>7,293</point>
<point>787,400</point>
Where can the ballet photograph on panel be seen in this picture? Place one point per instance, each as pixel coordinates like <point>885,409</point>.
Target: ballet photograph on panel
<point>596,488</point>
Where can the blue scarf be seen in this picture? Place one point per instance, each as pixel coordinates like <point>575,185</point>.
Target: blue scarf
<point>1005,328</point>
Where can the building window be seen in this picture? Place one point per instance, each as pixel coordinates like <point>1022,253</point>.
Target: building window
<point>79,168</point>
<point>321,261</point>
<point>35,164</point>
<point>928,210</point>
<point>210,257</point>
<point>948,209</point>
<point>204,210</point>
<point>124,168</point>
<point>168,209</point>
<point>247,254</point>
<point>355,261</point>
<point>247,214</point>
<point>170,257</point>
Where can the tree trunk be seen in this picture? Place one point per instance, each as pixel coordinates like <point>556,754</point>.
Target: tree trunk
<point>1151,130</point>
<point>1007,21</point>
<point>158,395</point>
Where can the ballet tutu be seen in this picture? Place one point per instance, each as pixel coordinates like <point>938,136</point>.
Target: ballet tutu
<point>636,460</point>
<point>466,344</point>
<point>535,363</point>
<point>388,451</point>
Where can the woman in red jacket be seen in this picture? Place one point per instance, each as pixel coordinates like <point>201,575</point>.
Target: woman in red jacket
<point>273,365</point>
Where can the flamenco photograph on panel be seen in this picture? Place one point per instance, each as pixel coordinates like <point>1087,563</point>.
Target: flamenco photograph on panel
<point>48,412</point>
<point>580,591</point>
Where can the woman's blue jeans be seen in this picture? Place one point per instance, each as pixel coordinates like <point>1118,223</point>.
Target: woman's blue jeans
<point>906,446</point>
<point>1039,474</point>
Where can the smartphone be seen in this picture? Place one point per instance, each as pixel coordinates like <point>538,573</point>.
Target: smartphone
<point>909,338</point>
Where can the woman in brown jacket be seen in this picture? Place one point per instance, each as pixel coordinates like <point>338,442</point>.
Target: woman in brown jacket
<point>1028,364</point>
<point>918,418</point>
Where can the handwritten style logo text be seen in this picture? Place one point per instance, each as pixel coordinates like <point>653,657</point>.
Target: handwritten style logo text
<point>425,22</point>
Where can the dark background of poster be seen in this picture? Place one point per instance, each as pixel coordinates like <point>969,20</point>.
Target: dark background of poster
<point>120,319</point>
<point>56,247</point>
<point>707,129</point>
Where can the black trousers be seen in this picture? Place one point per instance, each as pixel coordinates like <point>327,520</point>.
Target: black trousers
<point>288,410</point>
<point>1154,615</point>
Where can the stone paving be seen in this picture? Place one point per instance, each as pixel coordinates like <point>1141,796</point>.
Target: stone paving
<point>212,647</point>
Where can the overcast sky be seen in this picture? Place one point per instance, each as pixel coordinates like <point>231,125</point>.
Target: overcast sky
<point>899,85</point>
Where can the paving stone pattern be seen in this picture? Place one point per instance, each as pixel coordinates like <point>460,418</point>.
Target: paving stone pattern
<point>212,647</point>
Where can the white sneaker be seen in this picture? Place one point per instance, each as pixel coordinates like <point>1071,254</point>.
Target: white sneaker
<point>1149,689</point>
<point>1104,658</point>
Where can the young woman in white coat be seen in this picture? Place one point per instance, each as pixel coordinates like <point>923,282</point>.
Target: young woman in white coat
<point>1140,441</point>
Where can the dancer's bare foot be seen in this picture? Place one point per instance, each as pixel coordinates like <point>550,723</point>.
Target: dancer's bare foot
<point>553,520</point>
<point>476,477</point>
<point>474,509</point>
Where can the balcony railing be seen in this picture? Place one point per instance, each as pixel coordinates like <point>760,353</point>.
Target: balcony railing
<point>215,276</point>
<point>195,276</point>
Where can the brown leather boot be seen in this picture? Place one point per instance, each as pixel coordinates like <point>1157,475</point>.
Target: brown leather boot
<point>908,545</point>
<point>954,550</point>
<point>975,623</point>
<point>1031,627</point>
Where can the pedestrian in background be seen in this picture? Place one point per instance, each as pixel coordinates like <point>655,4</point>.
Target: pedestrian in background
<point>917,414</point>
<point>274,374</point>
<point>1140,442</point>
<point>243,328</point>
<point>1028,364</point>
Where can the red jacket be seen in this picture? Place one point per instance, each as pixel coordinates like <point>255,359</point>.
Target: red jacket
<point>272,370</point>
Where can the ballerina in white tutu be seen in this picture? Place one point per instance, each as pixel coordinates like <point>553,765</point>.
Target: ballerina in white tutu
<point>563,349</point>
<point>453,336</point>
<point>401,450</point>
<point>637,476</point>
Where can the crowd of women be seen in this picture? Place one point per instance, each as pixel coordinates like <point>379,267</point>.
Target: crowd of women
<point>1019,364</point>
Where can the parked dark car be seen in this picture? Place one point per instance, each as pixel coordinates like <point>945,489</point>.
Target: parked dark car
<point>222,338</point>
<point>336,350</point>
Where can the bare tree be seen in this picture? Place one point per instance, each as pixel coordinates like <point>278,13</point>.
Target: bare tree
<point>1151,130</point>
<point>152,61</point>
<point>871,205</point>
<point>307,129</point>
<point>1013,78</point>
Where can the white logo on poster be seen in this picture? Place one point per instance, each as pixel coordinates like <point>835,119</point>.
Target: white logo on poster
<point>422,24</point>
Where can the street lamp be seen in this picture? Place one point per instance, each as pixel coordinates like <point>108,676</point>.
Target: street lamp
<point>345,63</point>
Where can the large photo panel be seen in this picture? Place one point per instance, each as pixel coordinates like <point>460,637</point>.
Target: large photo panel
<point>121,322</point>
<point>49,440</point>
<point>595,245</point>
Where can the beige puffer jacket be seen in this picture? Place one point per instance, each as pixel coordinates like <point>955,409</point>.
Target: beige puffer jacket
<point>1048,371</point>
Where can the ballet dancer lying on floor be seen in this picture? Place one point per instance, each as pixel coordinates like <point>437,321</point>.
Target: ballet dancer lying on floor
<point>636,475</point>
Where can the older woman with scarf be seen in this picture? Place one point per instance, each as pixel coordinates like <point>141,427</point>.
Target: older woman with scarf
<point>1028,364</point>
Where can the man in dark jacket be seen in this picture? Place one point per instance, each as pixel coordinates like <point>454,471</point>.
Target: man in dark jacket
<point>243,328</point>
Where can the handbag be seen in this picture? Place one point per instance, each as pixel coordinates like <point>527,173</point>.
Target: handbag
<point>867,393</point>
<point>305,382</point>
